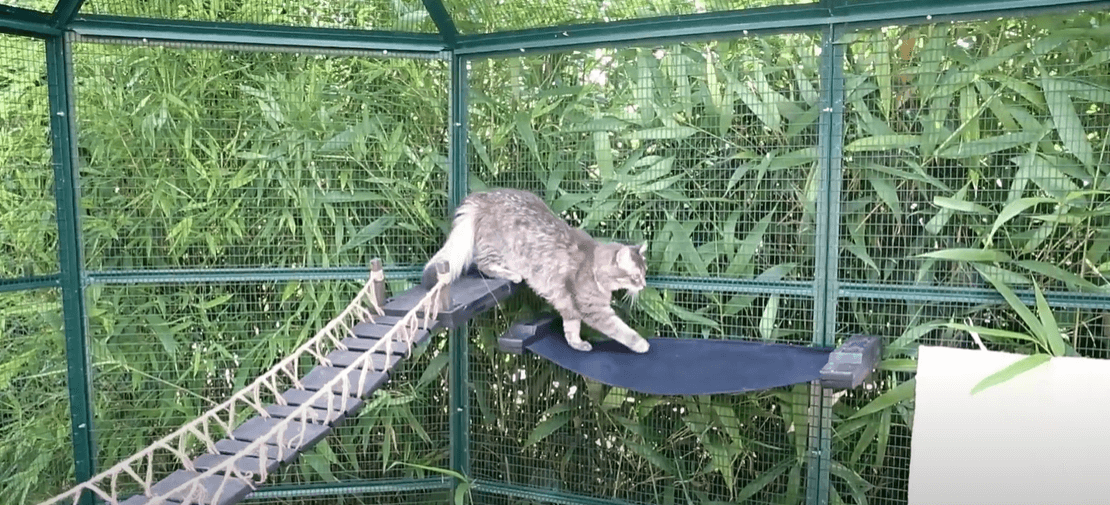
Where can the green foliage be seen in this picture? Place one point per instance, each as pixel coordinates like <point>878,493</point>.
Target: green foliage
<point>471,16</point>
<point>974,157</point>
<point>35,452</point>
<point>202,158</point>
<point>29,236</point>
<point>391,15</point>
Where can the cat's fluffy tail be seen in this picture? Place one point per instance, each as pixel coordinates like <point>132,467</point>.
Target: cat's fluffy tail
<point>458,251</point>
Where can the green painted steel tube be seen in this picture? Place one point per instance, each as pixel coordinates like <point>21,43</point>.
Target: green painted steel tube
<point>27,22</point>
<point>442,19</point>
<point>459,345</point>
<point>65,11</point>
<point>59,72</point>
<point>203,32</point>
<point>776,19</point>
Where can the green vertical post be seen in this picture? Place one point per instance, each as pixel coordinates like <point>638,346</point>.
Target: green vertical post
<point>459,348</point>
<point>59,73</point>
<point>830,147</point>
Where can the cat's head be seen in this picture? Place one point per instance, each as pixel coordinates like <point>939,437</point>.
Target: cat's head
<point>622,267</point>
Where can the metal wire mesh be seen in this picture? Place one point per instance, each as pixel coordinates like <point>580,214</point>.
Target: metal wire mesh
<point>980,136</point>
<point>163,354</point>
<point>472,16</point>
<point>541,427</point>
<point>702,150</point>
<point>36,453</point>
<point>29,240</point>
<point>39,5</point>
<point>199,159</point>
<point>970,151</point>
<point>709,155</point>
<point>584,438</point>
<point>389,15</point>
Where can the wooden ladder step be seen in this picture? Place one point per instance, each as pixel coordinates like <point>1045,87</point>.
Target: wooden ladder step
<point>319,376</point>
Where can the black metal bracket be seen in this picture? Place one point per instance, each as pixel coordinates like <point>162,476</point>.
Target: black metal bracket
<point>851,363</point>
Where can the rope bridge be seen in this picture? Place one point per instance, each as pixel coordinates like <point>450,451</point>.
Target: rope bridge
<point>246,437</point>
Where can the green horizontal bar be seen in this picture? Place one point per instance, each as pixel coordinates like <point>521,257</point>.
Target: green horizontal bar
<point>31,282</point>
<point>540,495</point>
<point>644,31</point>
<point>20,21</point>
<point>722,285</point>
<point>942,294</point>
<point>777,19</point>
<point>378,487</point>
<point>204,32</point>
<point>184,276</point>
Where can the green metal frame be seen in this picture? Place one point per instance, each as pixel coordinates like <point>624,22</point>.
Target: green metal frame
<point>831,144</point>
<point>832,18</point>
<point>59,72</point>
<point>458,343</point>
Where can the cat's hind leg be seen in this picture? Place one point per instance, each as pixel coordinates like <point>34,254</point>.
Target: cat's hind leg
<point>501,273</point>
<point>572,330</point>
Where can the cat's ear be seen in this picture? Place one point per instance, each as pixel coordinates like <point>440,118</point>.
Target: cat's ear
<point>642,249</point>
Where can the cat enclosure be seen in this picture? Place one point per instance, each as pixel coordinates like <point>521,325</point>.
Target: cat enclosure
<point>191,189</point>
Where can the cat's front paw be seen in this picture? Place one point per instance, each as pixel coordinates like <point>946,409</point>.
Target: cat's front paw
<point>640,346</point>
<point>581,345</point>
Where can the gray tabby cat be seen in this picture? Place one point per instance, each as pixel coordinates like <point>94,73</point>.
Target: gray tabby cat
<point>513,235</point>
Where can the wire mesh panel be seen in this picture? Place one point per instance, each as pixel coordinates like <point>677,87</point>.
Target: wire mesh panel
<point>473,16</point>
<point>36,455</point>
<point>39,5</point>
<point>28,233</point>
<point>540,427</point>
<point>873,426</point>
<point>976,150</point>
<point>974,159</point>
<point>164,354</point>
<point>389,15</point>
<point>708,153</point>
<point>199,158</point>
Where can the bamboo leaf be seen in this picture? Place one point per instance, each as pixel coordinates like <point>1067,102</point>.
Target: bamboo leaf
<point>524,129</point>
<point>895,395</point>
<point>767,320</point>
<point>887,193</point>
<point>434,369</point>
<point>215,302</point>
<point>1072,280</point>
<point>1013,370</point>
<point>883,438</point>
<point>764,479</point>
<point>369,232</point>
<point>856,484</point>
<point>1031,321</point>
<point>989,145</point>
<point>662,133</point>
<point>1068,126</point>
<point>1048,322</point>
<point>1012,210</point>
<point>993,332</point>
<point>546,427</point>
<point>652,456</point>
<point>963,254</point>
<point>960,205</point>
<point>883,142</point>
